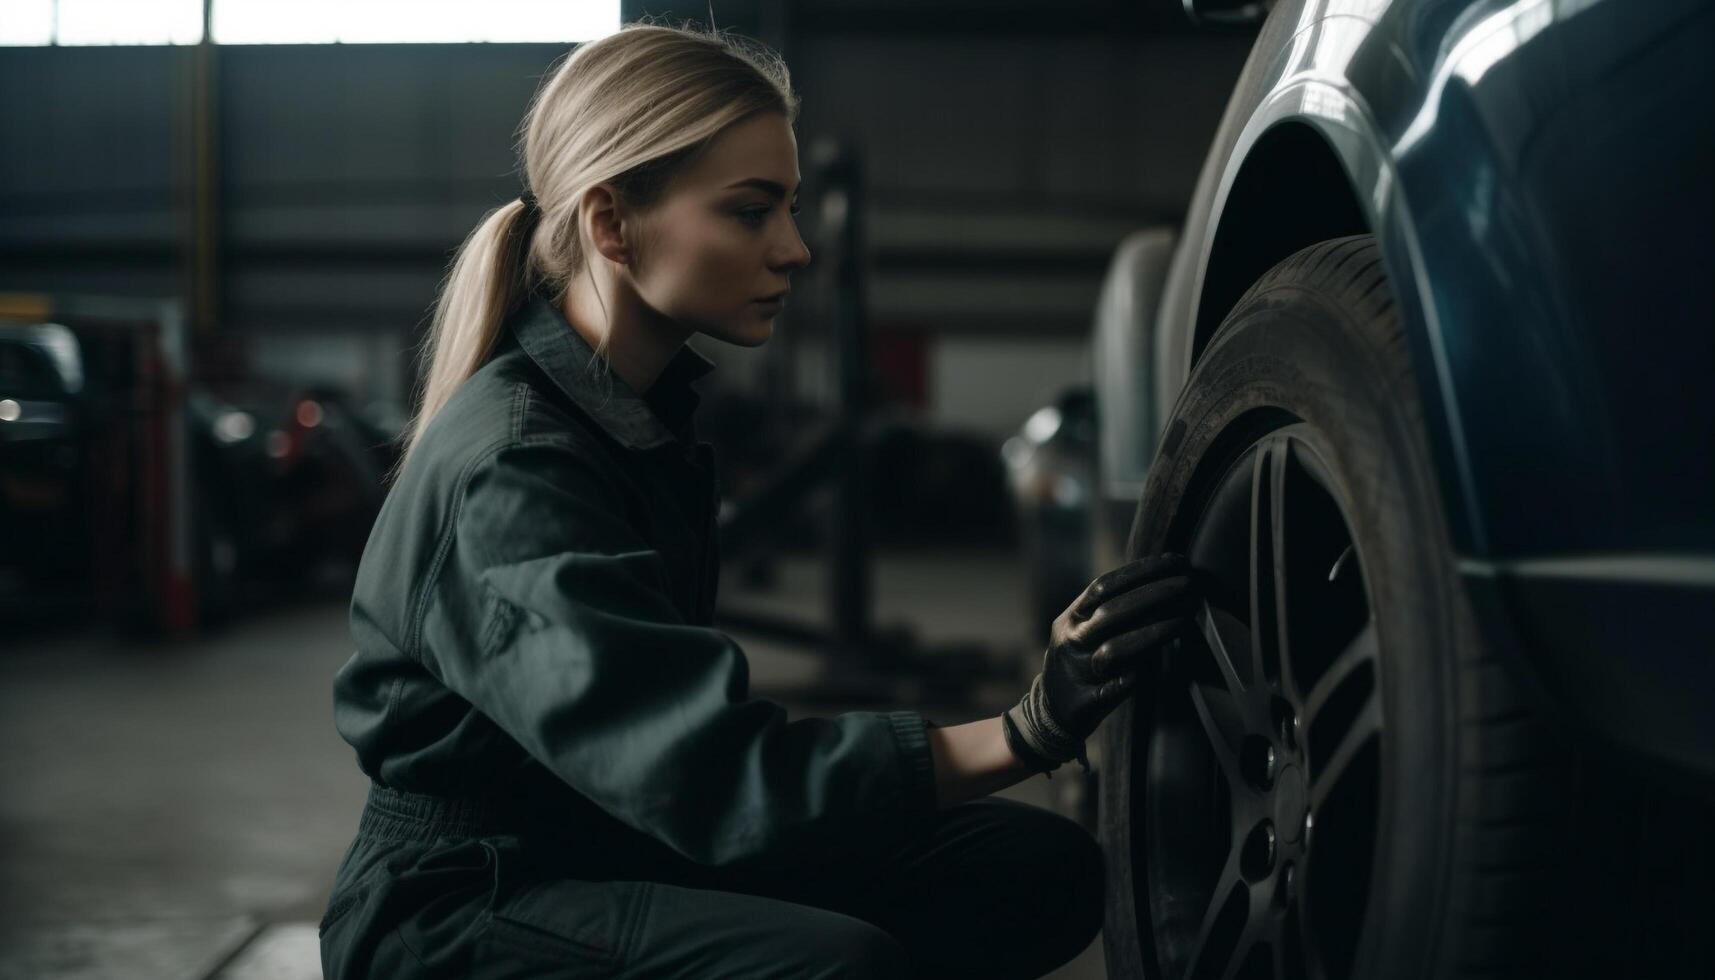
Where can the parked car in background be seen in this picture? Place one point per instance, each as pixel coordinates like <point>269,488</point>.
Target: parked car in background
<point>1424,398</point>
<point>289,480</point>
<point>285,481</point>
<point>1050,467</point>
<point>44,541</point>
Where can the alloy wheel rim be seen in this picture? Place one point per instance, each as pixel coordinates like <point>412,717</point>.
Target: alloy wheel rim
<point>1262,772</point>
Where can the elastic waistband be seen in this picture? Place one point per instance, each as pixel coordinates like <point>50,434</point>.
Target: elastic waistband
<point>395,814</point>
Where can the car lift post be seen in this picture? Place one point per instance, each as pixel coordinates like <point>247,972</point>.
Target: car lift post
<point>862,663</point>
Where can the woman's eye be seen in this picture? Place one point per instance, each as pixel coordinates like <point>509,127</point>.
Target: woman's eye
<point>793,210</point>
<point>753,216</point>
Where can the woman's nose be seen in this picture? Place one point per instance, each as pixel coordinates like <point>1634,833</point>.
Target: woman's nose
<point>794,254</point>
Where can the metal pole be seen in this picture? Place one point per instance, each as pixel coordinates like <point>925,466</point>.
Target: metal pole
<point>850,586</point>
<point>205,189</point>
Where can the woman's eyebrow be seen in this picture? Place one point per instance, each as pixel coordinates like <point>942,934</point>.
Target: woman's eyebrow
<point>769,187</point>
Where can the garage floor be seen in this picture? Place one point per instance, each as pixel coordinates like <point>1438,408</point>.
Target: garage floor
<point>176,811</point>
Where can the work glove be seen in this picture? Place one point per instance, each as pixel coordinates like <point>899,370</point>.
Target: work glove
<point>1093,653</point>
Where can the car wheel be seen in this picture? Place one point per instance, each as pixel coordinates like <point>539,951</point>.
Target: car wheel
<point>1331,777</point>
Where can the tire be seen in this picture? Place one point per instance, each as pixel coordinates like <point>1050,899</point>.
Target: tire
<point>1453,793</point>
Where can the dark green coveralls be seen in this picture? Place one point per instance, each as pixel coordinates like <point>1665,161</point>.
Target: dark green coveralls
<point>569,775</point>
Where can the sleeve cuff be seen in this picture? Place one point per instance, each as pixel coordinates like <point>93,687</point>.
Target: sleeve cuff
<point>911,738</point>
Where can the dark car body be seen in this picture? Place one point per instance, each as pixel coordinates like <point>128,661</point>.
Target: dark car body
<point>43,543</point>
<point>289,477</point>
<point>1538,175</point>
<point>284,480</point>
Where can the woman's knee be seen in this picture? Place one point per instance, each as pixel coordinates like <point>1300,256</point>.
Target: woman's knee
<point>856,950</point>
<point>1058,850</point>
<point>1076,876</point>
<point>1087,900</point>
<point>1061,874</point>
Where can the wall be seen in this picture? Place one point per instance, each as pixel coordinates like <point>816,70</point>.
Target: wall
<point>1003,170</point>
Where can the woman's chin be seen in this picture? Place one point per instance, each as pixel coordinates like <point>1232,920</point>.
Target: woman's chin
<point>753,333</point>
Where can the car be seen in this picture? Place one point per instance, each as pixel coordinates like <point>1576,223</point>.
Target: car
<point>1421,390</point>
<point>284,481</point>
<point>288,480</point>
<point>1050,467</point>
<point>43,485</point>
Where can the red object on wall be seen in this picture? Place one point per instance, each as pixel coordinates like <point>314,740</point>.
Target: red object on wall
<point>902,365</point>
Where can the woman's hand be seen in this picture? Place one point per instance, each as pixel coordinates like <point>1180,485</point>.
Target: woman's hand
<point>1091,660</point>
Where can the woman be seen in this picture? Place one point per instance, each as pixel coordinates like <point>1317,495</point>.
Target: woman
<point>569,777</point>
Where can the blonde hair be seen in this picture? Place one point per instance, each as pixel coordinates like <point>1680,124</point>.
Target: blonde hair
<point>630,109</point>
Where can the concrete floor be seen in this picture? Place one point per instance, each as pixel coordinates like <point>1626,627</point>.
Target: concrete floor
<point>176,810</point>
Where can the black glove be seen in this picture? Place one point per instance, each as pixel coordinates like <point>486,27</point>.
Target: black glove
<point>1090,664</point>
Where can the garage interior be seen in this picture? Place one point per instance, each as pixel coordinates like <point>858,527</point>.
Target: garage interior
<point>233,229</point>
<point>223,224</point>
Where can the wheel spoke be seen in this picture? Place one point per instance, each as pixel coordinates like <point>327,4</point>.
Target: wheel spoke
<point>1224,745</point>
<point>1229,879</point>
<point>1277,496</point>
<point>1364,649</point>
<point>1219,650</point>
<point>1241,952</point>
<point>1262,927</point>
<point>1366,724</point>
<point>1267,571</point>
<point>1292,687</point>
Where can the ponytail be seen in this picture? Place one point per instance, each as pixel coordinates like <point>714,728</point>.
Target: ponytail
<point>489,278</point>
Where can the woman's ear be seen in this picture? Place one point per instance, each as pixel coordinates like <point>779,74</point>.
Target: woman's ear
<point>604,218</point>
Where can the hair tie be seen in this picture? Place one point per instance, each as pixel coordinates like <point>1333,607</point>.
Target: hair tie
<point>529,201</point>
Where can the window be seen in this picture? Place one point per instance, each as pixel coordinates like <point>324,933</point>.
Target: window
<point>27,22</point>
<point>100,21</point>
<point>38,22</point>
<point>361,21</point>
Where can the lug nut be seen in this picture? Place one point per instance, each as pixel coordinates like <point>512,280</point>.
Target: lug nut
<point>1257,858</point>
<point>1283,888</point>
<point>1286,723</point>
<point>1258,761</point>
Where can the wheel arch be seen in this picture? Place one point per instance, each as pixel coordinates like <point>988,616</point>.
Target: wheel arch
<point>1310,166</point>
<point>1291,191</point>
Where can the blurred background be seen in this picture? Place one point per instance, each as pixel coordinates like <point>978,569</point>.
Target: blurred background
<point>222,225</point>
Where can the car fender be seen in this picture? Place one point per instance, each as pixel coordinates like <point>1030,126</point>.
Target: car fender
<point>1491,148</point>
